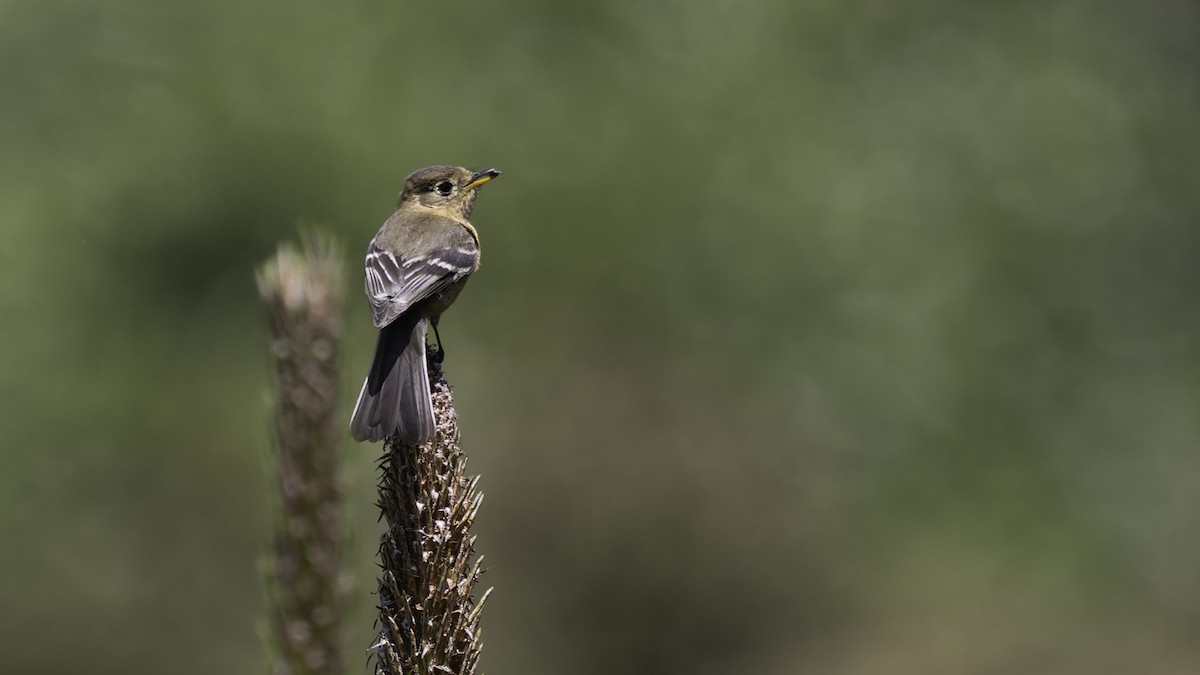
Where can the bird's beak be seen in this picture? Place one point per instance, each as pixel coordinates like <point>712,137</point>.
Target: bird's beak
<point>481,177</point>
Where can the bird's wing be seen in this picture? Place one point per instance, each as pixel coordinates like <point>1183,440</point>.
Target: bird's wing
<point>395,281</point>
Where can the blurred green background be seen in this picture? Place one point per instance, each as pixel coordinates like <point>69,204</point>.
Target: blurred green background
<point>831,337</point>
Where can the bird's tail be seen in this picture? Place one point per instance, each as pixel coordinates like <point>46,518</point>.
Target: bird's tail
<point>395,396</point>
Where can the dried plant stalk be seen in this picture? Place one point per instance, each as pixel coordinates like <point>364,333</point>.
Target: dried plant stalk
<point>303,294</point>
<point>429,622</point>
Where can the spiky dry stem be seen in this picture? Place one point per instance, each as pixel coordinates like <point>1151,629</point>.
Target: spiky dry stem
<point>303,293</point>
<point>429,622</point>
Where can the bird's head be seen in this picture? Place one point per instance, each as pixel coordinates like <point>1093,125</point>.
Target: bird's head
<point>447,188</point>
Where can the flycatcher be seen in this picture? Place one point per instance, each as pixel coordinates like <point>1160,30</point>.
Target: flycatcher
<point>416,265</point>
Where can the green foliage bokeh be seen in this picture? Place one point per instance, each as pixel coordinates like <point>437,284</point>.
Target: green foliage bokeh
<point>840,337</point>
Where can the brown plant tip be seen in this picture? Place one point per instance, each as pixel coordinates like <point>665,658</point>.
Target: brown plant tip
<point>303,293</point>
<point>429,620</point>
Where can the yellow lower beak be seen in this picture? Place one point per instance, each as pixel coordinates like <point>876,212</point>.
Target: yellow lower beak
<point>482,177</point>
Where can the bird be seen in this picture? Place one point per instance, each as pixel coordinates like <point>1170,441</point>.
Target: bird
<point>416,265</point>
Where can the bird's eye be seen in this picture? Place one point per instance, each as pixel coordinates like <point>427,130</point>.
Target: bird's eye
<point>444,188</point>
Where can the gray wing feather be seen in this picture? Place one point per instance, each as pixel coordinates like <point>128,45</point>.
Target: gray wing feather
<point>393,285</point>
